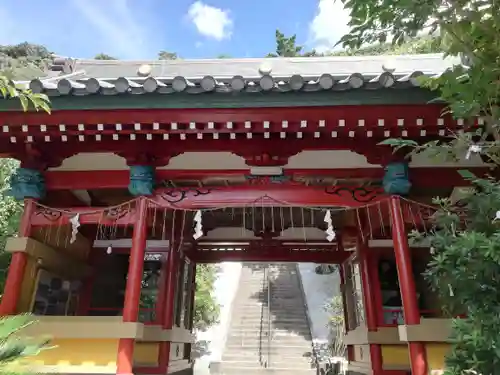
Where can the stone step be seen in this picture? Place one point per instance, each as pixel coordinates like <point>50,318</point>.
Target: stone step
<point>299,350</point>
<point>275,335</point>
<point>275,313</point>
<point>257,322</point>
<point>256,364</point>
<point>275,341</point>
<point>299,329</point>
<point>245,356</point>
<point>241,370</point>
<point>279,324</point>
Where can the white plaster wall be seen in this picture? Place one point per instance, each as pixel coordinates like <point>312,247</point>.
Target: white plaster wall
<point>318,290</point>
<point>225,288</point>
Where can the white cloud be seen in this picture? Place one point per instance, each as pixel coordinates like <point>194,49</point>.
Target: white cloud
<point>115,21</point>
<point>210,21</point>
<point>329,24</point>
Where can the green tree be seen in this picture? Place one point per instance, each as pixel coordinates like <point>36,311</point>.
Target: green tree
<point>206,309</point>
<point>103,56</point>
<point>286,46</point>
<point>10,209</point>
<point>422,44</point>
<point>24,61</point>
<point>165,55</point>
<point>465,266</point>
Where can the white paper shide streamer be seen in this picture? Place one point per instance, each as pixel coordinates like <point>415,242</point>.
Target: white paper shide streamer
<point>198,227</point>
<point>330,233</point>
<point>75,224</point>
<point>473,149</point>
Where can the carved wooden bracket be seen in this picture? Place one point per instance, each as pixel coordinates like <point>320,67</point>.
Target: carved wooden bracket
<point>267,159</point>
<point>381,155</point>
<point>146,159</point>
<point>38,159</point>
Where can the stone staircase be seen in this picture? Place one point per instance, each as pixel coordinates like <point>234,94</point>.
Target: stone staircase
<point>269,332</point>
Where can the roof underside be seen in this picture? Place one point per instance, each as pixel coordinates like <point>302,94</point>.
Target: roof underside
<point>111,77</point>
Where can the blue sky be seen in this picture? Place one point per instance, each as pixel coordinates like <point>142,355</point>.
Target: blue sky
<point>138,29</point>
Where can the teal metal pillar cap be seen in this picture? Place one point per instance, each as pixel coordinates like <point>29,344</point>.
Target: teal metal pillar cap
<point>396,179</point>
<point>27,183</point>
<point>142,180</point>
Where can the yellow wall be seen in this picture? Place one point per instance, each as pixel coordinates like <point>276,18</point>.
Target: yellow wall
<point>436,354</point>
<point>399,355</point>
<point>79,352</point>
<point>146,353</point>
<point>395,355</point>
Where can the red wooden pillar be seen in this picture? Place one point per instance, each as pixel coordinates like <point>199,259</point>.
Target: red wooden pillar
<point>193,296</point>
<point>350,349</point>
<point>169,302</point>
<point>17,265</point>
<point>407,284</point>
<point>370,306</point>
<point>125,359</point>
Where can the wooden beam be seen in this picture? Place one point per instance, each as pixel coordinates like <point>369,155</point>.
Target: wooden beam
<point>204,198</point>
<point>350,114</point>
<point>267,195</point>
<point>276,255</point>
<point>118,179</point>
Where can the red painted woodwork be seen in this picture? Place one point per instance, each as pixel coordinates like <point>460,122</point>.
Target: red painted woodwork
<point>376,359</point>
<point>267,195</point>
<point>411,311</point>
<point>172,266</point>
<point>193,295</point>
<point>403,263</point>
<point>369,302</point>
<point>133,288</point>
<point>367,285</point>
<point>217,197</point>
<point>17,268</point>
<point>342,293</point>
<point>294,115</point>
<point>272,255</point>
<point>88,215</point>
<point>56,150</point>
<point>124,362</point>
<point>162,292</point>
<point>136,263</point>
<point>115,179</point>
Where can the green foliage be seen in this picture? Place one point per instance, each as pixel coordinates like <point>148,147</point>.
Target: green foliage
<point>165,55</point>
<point>103,56</point>
<point>465,272</point>
<point>286,46</point>
<point>206,310</point>
<point>10,212</point>
<point>468,28</point>
<point>466,266</point>
<point>336,310</point>
<point>38,101</point>
<point>24,61</point>
<point>14,347</point>
<point>422,44</point>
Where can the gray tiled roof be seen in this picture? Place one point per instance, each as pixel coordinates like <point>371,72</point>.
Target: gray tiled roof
<point>108,77</point>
